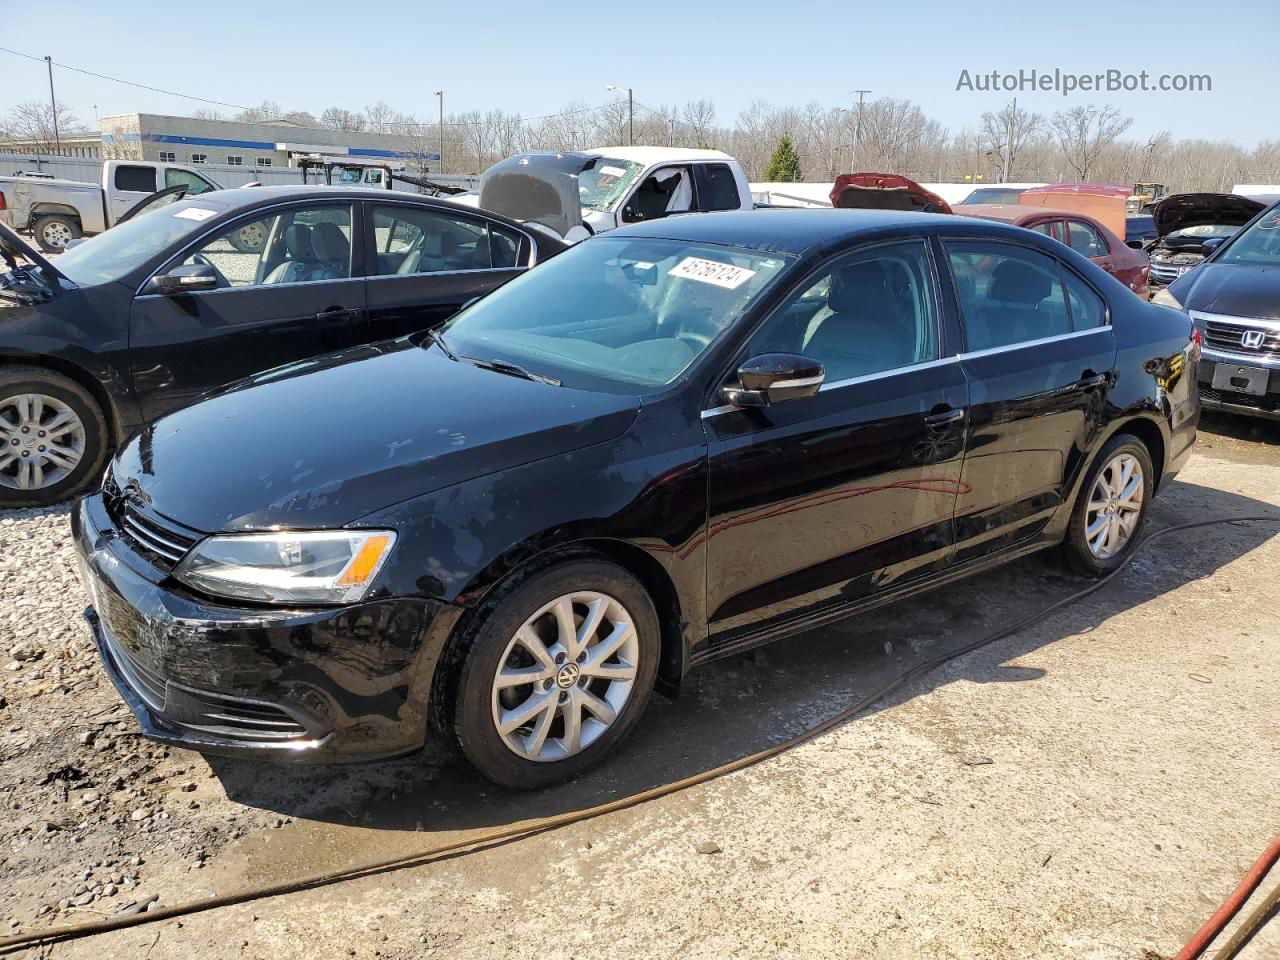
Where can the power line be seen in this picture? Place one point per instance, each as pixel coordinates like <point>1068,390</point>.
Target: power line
<point>240,106</point>
<point>130,83</point>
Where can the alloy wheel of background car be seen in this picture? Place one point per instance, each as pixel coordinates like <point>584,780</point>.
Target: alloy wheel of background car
<point>1115,504</point>
<point>53,437</point>
<point>42,441</point>
<point>565,676</point>
<point>249,238</point>
<point>53,233</point>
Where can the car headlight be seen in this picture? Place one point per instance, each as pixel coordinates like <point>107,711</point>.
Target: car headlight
<point>1166,299</point>
<point>323,566</point>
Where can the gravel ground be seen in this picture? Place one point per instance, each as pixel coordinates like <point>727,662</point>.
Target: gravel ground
<point>1091,788</point>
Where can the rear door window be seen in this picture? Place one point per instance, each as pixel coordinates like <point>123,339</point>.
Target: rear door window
<point>1088,310</point>
<point>136,179</point>
<point>412,240</point>
<point>1008,294</point>
<point>1085,240</point>
<point>719,189</point>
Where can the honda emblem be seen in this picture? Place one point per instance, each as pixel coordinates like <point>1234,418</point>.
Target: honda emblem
<point>1252,339</point>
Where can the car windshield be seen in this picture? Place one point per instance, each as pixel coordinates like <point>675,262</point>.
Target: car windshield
<point>109,256</point>
<point>600,187</point>
<point>1259,245</point>
<point>993,195</point>
<point>1204,231</point>
<point>620,315</point>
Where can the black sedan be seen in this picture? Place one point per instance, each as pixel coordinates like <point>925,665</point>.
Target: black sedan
<point>1233,296</point>
<point>190,296</point>
<point>671,443</point>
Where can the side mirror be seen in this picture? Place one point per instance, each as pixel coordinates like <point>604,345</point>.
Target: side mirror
<point>629,215</point>
<point>772,378</point>
<point>1212,244</point>
<point>187,278</point>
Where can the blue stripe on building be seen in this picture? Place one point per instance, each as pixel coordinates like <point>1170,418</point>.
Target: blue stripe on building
<point>260,145</point>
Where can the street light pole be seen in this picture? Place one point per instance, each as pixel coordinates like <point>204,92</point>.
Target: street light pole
<point>440,159</point>
<point>53,106</point>
<point>631,111</point>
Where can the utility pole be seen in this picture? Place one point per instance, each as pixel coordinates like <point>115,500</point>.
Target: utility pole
<point>857,130</point>
<point>1006,168</point>
<point>53,106</point>
<point>440,159</point>
<point>631,111</point>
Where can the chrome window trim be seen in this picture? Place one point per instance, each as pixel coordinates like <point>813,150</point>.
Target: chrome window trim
<point>252,286</point>
<point>1034,343</point>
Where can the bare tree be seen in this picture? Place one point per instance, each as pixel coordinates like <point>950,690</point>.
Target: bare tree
<point>207,113</point>
<point>339,118</point>
<point>1008,131</point>
<point>263,112</point>
<point>1085,132</point>
<point>32,123</point>
<point>699,118</point>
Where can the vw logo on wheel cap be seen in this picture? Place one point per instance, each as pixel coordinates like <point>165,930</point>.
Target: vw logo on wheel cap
<point>567,676</point>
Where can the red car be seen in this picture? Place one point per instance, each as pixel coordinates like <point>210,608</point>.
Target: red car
<point>1081,233</point>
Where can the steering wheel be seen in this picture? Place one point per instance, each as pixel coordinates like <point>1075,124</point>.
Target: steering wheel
<point>204,261</point>
<point>698,332</point>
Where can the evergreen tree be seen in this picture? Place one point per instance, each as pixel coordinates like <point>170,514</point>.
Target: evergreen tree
<point>784,165</point>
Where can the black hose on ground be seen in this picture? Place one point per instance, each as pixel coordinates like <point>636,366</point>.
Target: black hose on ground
<point>529,828</point>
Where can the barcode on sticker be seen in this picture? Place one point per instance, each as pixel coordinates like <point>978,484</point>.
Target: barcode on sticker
<point>712,271</point>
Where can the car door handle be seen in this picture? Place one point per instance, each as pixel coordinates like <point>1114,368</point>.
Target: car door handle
<point>337,315</point>
<point>1090,380</point>
<point>944,418</point>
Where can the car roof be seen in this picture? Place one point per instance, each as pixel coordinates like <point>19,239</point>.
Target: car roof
<point>1017,213</point>
<point>797,230</point>
<point>651,155</point>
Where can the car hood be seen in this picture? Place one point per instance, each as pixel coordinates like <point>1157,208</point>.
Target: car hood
<point>1202,209</point>
<point>325,442</point>
<point>884,191</point>
<point>538,187</point>
<point>1233,289</point>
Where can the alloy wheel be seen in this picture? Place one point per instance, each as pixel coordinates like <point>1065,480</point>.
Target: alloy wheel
<point>565,676</point>
<point>56,234</point>
<point>1115,505</point>
<point>41,441</point>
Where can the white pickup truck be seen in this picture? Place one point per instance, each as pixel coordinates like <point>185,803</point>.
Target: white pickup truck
<point>59,211</point>
<point>591,191</point>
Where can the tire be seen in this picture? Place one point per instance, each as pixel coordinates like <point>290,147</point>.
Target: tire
<point>54,230</point>
<point>470,705</point>
<point>62,401</point>
<point>1124,514</point>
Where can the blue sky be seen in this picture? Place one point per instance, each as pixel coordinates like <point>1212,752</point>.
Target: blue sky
<point>536,57</point>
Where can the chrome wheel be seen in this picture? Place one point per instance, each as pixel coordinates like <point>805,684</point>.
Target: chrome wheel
<point>57,234</point>
<point>565,676</point>
<point>1115,505</point>
<point>41,441</point>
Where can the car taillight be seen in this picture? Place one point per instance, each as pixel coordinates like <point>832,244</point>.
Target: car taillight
<point>1197,341</point>
<point>1,200</point>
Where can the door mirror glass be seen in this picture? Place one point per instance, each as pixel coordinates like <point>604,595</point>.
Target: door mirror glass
<point>629,215</point>
<point>774,377</point>
<point>187,278</point>
<point>1210,245</point>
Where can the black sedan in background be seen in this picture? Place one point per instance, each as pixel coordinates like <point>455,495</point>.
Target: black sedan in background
<point>671,443</point>
<point>1233,297</point>
<point>175,302</point>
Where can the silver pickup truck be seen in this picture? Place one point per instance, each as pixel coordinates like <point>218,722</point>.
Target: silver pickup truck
<point>59,211</point>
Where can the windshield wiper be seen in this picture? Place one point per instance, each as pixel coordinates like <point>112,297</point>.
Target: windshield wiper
<point>514,370</point>
<point>436,337</point>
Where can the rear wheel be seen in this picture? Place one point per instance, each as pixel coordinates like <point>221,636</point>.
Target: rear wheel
<point>53,437</point>
<point>553,672</point>
<point>250,238</point>
<point>54,231</point>
<point>1111,507</point>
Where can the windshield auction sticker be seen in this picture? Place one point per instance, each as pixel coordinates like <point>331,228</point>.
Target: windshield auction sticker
<point>195,213</point>
<point>711,271</point>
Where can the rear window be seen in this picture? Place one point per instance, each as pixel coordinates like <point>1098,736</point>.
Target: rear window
<point>136,179</point>
<point>721,189</point>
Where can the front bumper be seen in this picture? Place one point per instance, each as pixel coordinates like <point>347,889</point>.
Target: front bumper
<point>316,685</point>
<point>1265,405</point>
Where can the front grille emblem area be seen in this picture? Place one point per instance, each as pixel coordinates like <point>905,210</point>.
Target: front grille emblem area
<point>1252,339</point>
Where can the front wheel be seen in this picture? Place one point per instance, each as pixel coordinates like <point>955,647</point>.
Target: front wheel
<point>53,437</point>
<point>1111,507</point>
<point>555,670</point>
